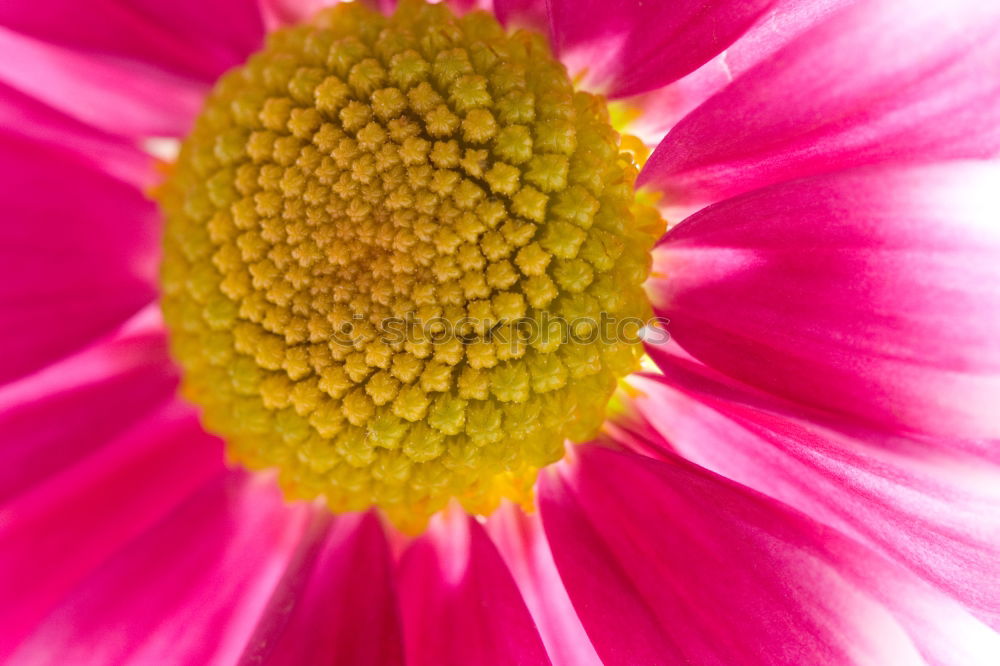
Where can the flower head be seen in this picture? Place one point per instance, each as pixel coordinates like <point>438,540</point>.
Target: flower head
<point>409,265</point>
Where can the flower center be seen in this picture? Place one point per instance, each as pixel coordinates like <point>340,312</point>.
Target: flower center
<point>393,247</point>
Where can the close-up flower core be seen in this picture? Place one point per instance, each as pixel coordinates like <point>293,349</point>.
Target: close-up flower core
<point>363,170</point>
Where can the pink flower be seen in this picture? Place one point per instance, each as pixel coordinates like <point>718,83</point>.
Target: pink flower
<point>811,474</point>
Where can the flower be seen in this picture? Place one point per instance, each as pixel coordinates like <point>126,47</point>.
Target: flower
<point>806,472</point>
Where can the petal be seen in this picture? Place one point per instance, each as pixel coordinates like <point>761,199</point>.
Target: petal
<point>884,81</point>
<point>73,266</point>
<point>460,604</point>
<point>669,564</point>
<point>338,600</point>
<point>188,37</point>
<point>533,14</point>
<point>189,590</point>
<point>520,538</point>
<point>126,98</point>
<point>27,119</point>
<point>278,13</point>
<point>928,505</point>
<point>92,508</point>
<point>872,294</point>
<point>54,418</point>
<point>631,46</point>
<point>659,110</point>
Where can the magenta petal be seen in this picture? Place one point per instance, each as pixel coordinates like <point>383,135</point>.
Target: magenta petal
<point>666,563</point>
<point>93,507</point>
<point>633,46</point>
<point>278,13</point>
<point>662,108</point>
<point>520,538</point>
<point>27,119</point>
<point>72,266</point>
<point>532,14</point>
<point>929,505</point>
<point>55,417</point>
<point>884,81</point>
<point>871,294</point>
<point>460,604</point>
<point>118,97</point>
<point>189,590</point>
<point>337,602</point>
<point>188,37</point>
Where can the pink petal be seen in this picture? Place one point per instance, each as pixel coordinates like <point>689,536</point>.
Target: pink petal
<point>532,14</point>
<point>873,294</point>
<point>520,538</point>
<point>633,46</point>
<point>188,37</point>
<point>126,98</point>
<point>928,505</point>
<point>26,118</point>
<point>278,13</point>
<point>459,602</point>
<point>189,590</point>
<point>664,107</point>
<point>53,418</point>
<point>72,266</point>
<point>667,563</point>
<point>93,507</point>
<point>337,602</point>
<point>884,81</point>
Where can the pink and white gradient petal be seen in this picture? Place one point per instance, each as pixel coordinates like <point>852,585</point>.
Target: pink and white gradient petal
<point>664,107</point>
<point>875,83</point>
<point>532,14</point>
<point>193,585</point>
<point>871,294</point>
<point>278,13</point>
<point>669,563</point>
<point>24,119</point>
<point>93,507</point>
<point>932,506</point>
<point>633,46</point>
<point>186,37</point>
<point>460,604</point>
<point>73,266</point>
<point>336,602</point>
<point>115,96</point>
<point>59,415</point>
<point>521,540</point>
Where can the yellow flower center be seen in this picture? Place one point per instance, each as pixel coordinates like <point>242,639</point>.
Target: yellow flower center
<point>393,246</point>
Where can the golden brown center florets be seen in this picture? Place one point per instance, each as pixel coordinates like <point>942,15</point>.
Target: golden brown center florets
<point>377,235</point>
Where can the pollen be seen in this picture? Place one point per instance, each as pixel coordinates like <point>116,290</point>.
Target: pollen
<point>382,235</point>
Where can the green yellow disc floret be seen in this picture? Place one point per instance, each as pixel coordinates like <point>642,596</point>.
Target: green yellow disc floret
<point>362,171</point>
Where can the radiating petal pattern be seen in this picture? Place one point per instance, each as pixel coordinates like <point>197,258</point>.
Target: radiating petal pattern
<point>633,46</point>
<point>189,590</point>
<point>669,564</point>
<point>932,505</point>
<point>53,418</point>
<point>25,119</point>
<point>872,294</point>
<point>460,604</point>
<point>336,603</point>
<point>533,14</point>
<point>662,108</point>
<point>278,13</point>
<point>520,538</point>
<point>92,508</point>
<point>187,37</point>
<point>116,97</point>
<point>879,82</point>
<point>72,266</point>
